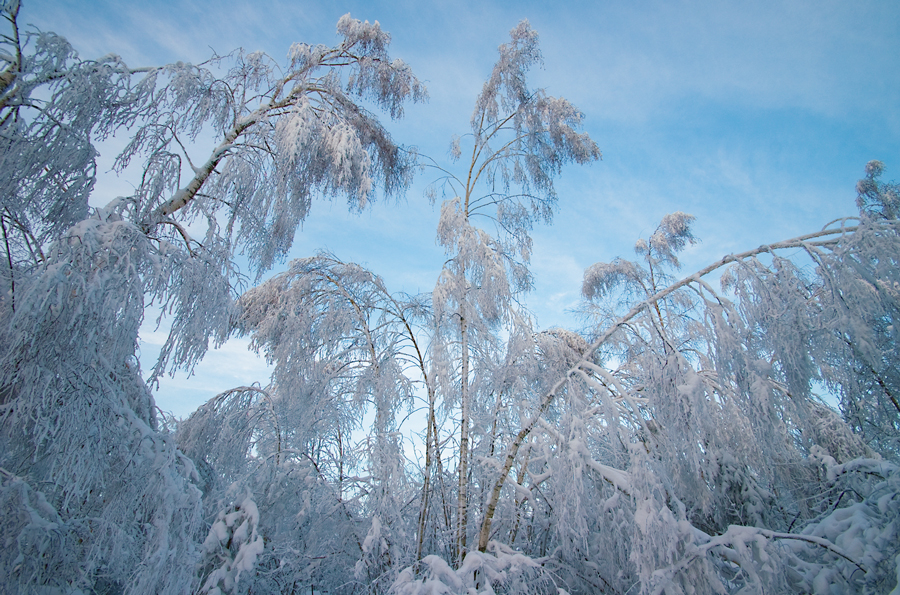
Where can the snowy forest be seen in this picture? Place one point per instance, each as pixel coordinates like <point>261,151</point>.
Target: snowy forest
<point>734,429</point>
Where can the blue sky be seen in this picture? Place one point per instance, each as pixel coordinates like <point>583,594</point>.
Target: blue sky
<point>756,117</point>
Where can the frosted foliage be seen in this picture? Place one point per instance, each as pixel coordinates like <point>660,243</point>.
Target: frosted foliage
<point>284,136</point>
<point>72,390</point>
<point>232,548</point>
<point>483,270</point>
<point>520,139</point>
<point>679,448</point>
<point>327,487</point>
<point>876,198</point>
<point>299,531</point>
<point>502,570</point>
<point>326,324</point>
<point>671,237</point>
<point>52,104</point>
<point>95,495</point>
<point>634,280</point>
<point>683,443</point>
<point>758,498</point>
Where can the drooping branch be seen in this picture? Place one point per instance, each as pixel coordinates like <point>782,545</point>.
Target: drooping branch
<point>832,235</point>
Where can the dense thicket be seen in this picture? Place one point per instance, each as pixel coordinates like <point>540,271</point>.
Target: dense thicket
<point>686,442</point>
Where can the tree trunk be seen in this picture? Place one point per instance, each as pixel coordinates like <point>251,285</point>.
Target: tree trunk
<point>426,483</point>
<point>462,502</point>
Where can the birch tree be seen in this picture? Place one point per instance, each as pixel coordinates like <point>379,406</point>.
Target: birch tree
<point>684,442</point>
<point>520,140</point>
<point>95,494</point>
<point>344,349</point>
<point>693,422</point>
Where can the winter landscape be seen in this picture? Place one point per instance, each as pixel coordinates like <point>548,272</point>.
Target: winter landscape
<point>461,298</point>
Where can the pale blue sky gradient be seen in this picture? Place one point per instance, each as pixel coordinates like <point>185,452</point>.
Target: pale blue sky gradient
<point>756,117</point>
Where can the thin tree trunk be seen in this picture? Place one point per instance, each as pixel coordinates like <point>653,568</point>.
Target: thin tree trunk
<point>426,483</point>
<point>340,465</point>
<point>445,507</point>
<point>12,270</point>
<point>462,501</point>
<point>519,480</point>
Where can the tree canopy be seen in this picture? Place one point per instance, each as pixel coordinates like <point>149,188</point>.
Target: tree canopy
<point>734,430</point>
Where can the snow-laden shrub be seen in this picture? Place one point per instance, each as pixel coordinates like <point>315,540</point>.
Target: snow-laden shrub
<point>501,570</point>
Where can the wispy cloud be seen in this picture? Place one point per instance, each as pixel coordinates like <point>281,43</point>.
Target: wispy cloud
<point>756,117</point>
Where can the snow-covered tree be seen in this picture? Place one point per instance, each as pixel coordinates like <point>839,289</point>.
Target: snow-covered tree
<point>329,486</point>
<point>96,496</point>
<point>53,106</point>
<point>686,441</point>
<point>344,347</point>
<point>681,445</point>
<point>520,140</point>
<point>693,423</point>
<point>685,449</point>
